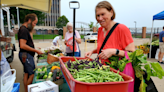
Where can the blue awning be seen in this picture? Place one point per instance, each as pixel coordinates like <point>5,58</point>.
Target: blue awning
<point>159,16</point>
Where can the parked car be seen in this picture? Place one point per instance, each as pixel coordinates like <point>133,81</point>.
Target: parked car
<point>91,37</point>
<point>157,34</point>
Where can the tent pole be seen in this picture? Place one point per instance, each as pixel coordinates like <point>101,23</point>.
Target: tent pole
<point>18,17</point>
<point>151,40</point>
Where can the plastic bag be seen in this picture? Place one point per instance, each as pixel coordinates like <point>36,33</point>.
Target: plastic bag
<point>70,44</point>
<point>4,65</point>
<point>7,82</point>
<point>128,70</point>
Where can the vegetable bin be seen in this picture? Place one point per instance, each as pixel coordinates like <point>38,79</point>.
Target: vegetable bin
<point>77,86</point>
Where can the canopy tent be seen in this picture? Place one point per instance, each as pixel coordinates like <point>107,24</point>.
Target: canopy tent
<point>40,5</point>
<point>159,16</point>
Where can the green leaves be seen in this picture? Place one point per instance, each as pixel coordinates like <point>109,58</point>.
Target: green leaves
<point>140,65</point>
<point>62,21</point>
<point>143,86</point>
<point>142,60</point>
<point>158,69</point>
<point>139,52</point>
<point>148,69</point>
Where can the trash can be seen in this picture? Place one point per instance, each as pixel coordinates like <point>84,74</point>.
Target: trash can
<point>153,51</point>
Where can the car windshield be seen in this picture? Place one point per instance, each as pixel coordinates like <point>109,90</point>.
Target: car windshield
<point>94,33</point>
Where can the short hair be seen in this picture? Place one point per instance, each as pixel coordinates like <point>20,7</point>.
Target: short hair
<point>31,16</point>
<point>106,5</point>
<point>163,27</point>
<point>69,24</point>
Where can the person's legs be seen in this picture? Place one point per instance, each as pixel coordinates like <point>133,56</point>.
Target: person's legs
<point>22,57</point>
<point>29,66</point>
<point>25,81</point>
<point>159,54</point>
<point>76,54</point>
<point>69,54</point>
<point>30,79</point>
<point>161,47</point>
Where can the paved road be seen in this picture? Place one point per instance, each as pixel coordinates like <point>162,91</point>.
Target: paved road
<point>16,64</point>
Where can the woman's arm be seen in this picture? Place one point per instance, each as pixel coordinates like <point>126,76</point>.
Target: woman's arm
<point>107,53</point>
<point>130,48</point>
<point>77,37</point>
<point>88,54</point>
<point>78,40</point>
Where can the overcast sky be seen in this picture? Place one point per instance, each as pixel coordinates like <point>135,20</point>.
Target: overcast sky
<point>127,11</point>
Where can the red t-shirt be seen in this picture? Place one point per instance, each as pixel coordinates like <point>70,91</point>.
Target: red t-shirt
<point>119,39</point>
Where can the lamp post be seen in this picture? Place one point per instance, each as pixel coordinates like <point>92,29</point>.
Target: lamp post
<point>74,5</point>
<point>135,28</point>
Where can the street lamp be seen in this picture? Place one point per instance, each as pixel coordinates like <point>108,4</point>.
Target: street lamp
<point>74,5</point>
<point>135,28</point>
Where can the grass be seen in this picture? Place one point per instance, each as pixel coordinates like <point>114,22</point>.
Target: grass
<point>47,36</point>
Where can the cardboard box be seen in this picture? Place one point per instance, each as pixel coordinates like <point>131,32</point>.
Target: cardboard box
<point>46,86</point>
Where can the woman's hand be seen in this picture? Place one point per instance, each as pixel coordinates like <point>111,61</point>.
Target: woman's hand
<point>88,54</point>
<point>65,42</point>
<point>78,40</point>
<point>107,53</point>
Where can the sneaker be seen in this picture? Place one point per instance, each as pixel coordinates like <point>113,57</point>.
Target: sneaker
<point>159,62</point>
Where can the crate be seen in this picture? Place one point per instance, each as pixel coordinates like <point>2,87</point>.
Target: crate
<point>16,87</point>
<point>77,86</point>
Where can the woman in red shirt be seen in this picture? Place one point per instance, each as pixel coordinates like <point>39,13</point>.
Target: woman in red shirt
<point>119,41</point>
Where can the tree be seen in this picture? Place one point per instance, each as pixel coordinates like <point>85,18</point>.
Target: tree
<point>62,21</point>
<point>97,25</point>
<point>91,26</point>
<point>23,12</point>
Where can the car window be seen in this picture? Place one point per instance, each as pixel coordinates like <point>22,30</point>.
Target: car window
<point>94,33</point>
<point>88,34</point>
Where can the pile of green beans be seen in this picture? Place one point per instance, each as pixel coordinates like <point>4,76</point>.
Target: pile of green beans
<point>94,75</point>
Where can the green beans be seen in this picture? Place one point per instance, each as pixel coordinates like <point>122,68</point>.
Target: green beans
<point>94,75</point>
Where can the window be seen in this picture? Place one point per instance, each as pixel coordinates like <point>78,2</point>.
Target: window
<point>88,33</point>
<point>94,33</point>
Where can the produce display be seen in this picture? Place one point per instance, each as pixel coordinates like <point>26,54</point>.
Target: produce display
<point>140,64</point>
<point>54,50</point>
<point>145,47</point>
<point>92,71</point>
<point>156,43</point>
<point>53,74</point>
<point>43,56</point>
<point>42,73</point>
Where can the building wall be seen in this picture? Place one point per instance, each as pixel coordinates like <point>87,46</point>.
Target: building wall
<point>51,18</point>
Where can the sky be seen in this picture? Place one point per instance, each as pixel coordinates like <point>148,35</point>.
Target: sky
<point>127,11</point>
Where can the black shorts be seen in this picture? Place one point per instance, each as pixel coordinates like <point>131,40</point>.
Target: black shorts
<point>28,62</point>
